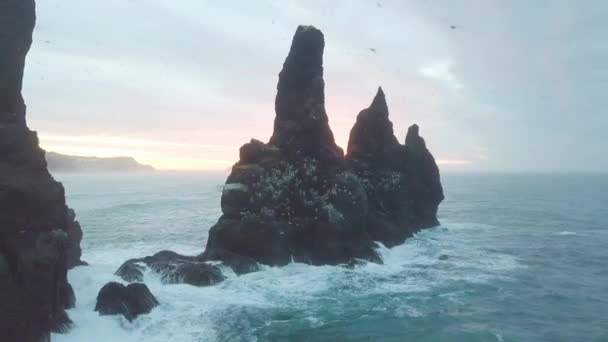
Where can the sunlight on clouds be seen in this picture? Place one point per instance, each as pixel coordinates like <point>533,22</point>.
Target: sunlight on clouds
<point>90,151</point>
<point>454,162</point>
<point>116,140</point>
<point>442,71</point>
<point>186,163</point>
<point>163,155</point>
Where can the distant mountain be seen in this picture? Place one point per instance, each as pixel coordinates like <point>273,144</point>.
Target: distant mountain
<point>64,163</point>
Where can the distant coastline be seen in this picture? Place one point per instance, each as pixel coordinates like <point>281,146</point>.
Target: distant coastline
<point>65,163</point>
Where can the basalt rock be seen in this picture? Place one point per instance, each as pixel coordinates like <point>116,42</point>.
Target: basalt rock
<point>297,198</point>
<point>173,268</point>
<point>423,177</point>
<point>301,126</point>
<point>372,138</point>
<point>130,301</point>
<point>294,199</point>
<point>39,237</point>
<point>402,182</point>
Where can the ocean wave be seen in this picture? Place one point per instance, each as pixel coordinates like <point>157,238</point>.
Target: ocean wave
<point>565,232</point>
<point>276,294</point>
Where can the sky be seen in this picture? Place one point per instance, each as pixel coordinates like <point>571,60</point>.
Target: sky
<point>509,86</point>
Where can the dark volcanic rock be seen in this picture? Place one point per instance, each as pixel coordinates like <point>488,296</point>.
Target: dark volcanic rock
<point>39,237</point>
<point>297,198</point>
<point>372,137</point>
<point>424,181</point>
<point>174,268</point>
<point>401,182</point>
<point>301,126</point>
<point>129,301</point>
<point>294,198</point>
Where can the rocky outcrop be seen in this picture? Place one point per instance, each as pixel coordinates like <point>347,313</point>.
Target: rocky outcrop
<point>63,163</point>
<point>130,301</point>
<point>173,268</point>
<point>39,237</point>
<point>423,175</point>
<point>294,199</point>
<point>401,182</point>
<point>301,127</point>
<point>297,198</point>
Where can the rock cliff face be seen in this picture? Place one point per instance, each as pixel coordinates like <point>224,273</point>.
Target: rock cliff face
<point>294,199</point>
<point>63,163</point>
<point>297,198</point>
<point>301,127</point>
<point>39,237</point>
<point>401,182</point>
<point>130,301</point>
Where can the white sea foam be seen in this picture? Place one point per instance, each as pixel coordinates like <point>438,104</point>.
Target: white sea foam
<point>189,313</point>
<point>565,232</point>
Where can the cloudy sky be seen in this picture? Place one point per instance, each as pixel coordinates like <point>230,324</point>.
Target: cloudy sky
<point>494,85</point>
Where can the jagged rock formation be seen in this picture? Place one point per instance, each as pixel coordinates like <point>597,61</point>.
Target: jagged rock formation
<point>301,127</point>
<point>130,301</point>
<point>39,237</point>
<point>402,182</point>
<point>297,198</point>
<point>174,268</point>
<point>294,199</point>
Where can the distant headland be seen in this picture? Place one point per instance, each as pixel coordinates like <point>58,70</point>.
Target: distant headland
<point>65,163</point>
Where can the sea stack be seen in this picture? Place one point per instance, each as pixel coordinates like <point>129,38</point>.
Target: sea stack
<point>39,236</point>
<point>401,182</point>
<point>298,199</point>
<point>301,126</point>
<point>293,199</point>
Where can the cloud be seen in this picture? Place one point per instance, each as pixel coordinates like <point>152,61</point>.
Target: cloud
<point>456,162</point>
<point>442,72</point>
<point>524,80</point>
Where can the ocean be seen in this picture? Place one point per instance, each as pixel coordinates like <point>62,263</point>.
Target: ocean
<point>517,257</point>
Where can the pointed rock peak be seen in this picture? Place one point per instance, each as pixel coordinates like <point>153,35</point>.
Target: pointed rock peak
<point>301,80</point>
<point>372,135</point>
<point>379,103</point>
<point>413,138</point>
<point>308,41</point>
<point>413,132</point>
<point>301,122</point>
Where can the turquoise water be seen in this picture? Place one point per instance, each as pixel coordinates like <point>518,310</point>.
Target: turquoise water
<point>526,261</point>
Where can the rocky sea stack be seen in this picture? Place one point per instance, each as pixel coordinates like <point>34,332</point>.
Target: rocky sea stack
<point>130,301</point>
<point>39,237</point>
<point>298,198</point>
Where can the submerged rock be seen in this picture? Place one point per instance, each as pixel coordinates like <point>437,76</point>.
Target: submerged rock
<point>39,236</point>
<point>173,268</point>
<point>130,301</point>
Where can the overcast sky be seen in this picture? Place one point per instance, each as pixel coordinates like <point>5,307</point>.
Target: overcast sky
<point>494,85</point>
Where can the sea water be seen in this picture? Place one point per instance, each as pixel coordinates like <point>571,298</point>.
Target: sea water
<point>517,258</point>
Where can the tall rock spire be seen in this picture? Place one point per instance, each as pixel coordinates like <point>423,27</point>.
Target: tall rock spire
<point>301,124</point>
<point>17,19</point>
<point>39,237</point>
<point>372,135</point>
<point>425,184</point>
